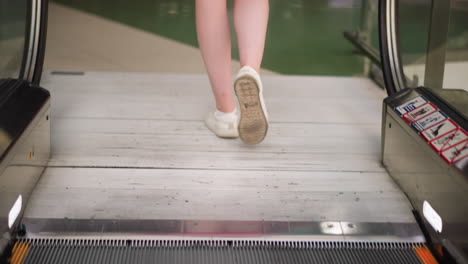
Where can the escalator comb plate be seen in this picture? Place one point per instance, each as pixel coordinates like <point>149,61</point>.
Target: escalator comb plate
<point>215,251</point>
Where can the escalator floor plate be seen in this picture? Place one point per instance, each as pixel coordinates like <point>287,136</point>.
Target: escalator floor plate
<point>191,251</point>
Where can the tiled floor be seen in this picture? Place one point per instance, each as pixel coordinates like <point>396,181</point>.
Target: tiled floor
<point>304,37</point>
<point>79,41</point>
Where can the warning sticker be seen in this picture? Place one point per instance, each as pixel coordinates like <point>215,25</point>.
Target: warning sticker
<point>428,121</point>
<point>440,142</point>
<point>463,154</point>
<point>419,112</point>
<point>439,130</point>
<point>410,105</point>
<point>451,153</point>
<point>459,136</point>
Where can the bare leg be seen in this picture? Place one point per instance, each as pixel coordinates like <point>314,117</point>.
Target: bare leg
<point>215,44</point>
<point>250,20</point>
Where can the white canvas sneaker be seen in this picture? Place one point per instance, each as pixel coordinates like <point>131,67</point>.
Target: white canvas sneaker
<point>253,123</point>
<point>223,124</point>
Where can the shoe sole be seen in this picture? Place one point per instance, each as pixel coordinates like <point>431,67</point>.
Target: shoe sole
<point>253,125</point>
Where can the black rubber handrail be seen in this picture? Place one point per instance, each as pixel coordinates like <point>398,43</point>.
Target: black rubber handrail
<point>35,41</point>
<point>389,47</point>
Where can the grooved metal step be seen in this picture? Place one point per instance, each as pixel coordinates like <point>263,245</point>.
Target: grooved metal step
<point>215,251</point>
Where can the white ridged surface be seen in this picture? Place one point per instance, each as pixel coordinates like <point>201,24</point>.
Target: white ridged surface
<point>133,146</point>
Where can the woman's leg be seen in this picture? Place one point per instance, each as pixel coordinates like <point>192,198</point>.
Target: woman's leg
<point>250,20</point>
<point>215,44</point>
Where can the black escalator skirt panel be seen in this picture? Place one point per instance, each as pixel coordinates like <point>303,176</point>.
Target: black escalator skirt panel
<point>441,126</point>
<point>206,252</point>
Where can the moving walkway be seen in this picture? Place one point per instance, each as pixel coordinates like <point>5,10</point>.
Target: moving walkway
<point>423,148</point>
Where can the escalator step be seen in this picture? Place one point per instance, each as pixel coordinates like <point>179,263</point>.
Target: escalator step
<point>207,251</point>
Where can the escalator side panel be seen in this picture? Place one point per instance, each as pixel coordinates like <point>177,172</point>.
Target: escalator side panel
<point>422,173</point>
<point>24,152</point>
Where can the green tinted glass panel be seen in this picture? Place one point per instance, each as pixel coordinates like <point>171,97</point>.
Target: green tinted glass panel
<point>414,19</point>
<point>456,57</point>
<point>305,37</point>
<point>433,37</point>
<point>13,20</point>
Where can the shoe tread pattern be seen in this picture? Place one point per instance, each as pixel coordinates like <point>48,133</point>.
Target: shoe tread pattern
<point>253,125</point>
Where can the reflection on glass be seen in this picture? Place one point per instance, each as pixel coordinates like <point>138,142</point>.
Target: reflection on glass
<point>414,27</point>
<point>12,33</point>
<point>304,36</point>
<point>456,59</point>
<point>414,19</point>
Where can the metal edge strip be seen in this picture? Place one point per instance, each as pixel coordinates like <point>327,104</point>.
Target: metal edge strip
<point>221,230</point>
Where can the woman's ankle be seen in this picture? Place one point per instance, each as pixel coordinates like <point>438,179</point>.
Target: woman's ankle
<point>228,108</point>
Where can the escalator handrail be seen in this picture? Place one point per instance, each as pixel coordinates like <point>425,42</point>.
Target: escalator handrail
<point>389,47</point>
<point>35,40</point>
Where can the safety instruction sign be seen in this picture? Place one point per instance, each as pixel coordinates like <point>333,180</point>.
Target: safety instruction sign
<point>439,130</point>
<point>462,155</point>
<point>428,121</point>
<point>442,133</point>
<point>411,105</point>
<point>458,137</point>
<point>453,153</point>
<point>420,112</point>
<point>440,142</point>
